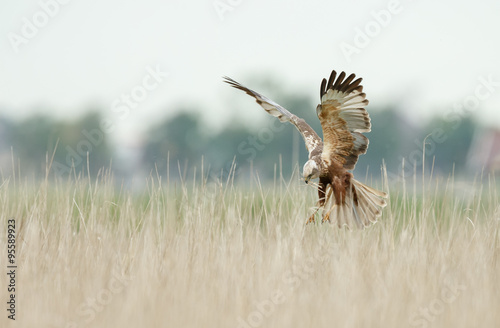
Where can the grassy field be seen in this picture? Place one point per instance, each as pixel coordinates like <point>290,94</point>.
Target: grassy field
<point>208,254</point>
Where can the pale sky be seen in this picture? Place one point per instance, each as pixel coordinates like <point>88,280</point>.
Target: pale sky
<point>424,56</point>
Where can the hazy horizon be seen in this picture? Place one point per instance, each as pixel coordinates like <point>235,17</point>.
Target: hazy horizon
<point>64,57</point>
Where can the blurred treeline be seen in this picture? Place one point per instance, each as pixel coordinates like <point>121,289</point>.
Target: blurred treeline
<point>181,143</point>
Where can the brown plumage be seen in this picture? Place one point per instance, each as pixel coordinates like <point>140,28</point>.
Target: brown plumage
<point>343,119</point>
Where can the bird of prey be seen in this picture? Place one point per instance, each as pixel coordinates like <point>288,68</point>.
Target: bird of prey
<point>343,119</point>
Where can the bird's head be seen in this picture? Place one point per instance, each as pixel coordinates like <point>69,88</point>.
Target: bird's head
<point>311,170</point>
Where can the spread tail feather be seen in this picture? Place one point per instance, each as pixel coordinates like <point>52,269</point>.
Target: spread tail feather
<point>362,206</point>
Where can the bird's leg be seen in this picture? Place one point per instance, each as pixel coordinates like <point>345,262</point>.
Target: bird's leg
<point>320,203</point>
<point>311,218</point>
<point>326,217</point>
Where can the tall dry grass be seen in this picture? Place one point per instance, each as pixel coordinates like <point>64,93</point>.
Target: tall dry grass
<point>207,254</point>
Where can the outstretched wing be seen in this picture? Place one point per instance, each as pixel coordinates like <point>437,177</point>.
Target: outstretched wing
<point>313,142</point>
<point>343,119</point>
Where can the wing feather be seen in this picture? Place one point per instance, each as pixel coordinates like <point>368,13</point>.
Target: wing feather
<point>313,142</point>
<point>343,119</point>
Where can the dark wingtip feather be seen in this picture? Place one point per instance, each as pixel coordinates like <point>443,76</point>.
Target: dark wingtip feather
<point>322,88</point>
<point>341,84</point>
<point>346,83</point>
<point>236,85</point>
<point>353,85</point>
<point>358,88</point>
<point>331,79</point>
<point>339,81</point>
<point>230,81</point>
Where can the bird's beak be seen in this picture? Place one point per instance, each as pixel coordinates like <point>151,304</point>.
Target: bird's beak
<point>307,179</point>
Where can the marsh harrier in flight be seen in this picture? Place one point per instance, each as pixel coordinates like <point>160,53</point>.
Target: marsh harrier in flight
<point>343,119</point>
